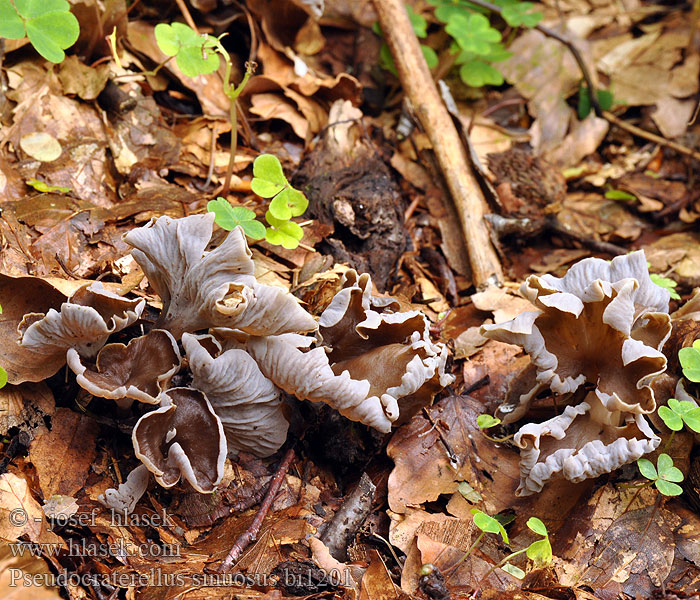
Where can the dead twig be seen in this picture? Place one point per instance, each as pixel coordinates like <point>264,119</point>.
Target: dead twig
<point>251,534</point>
<point>355,509</point>
<point>422,93</point>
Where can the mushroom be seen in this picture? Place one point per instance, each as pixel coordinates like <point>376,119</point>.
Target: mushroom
<point>379,367</point>
<point>182,438</point>
<point>602,324</point>
<point>84,322</point>
<point>140,370</point>
<point>124,498</point>
<point>203,289</point>
<point>248,404</point>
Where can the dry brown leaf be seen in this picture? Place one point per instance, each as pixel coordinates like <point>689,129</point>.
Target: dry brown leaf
<point>20,514</point>
<point>22,295</point>
<point>377,583</point>
<point>423,471</point>
<point>25,406</point>
<point>63,456</point>
<point>14,569</point>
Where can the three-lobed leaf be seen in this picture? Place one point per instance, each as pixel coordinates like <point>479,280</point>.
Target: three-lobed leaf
<point>664,475</point>
<point>665,282</point>
<point>690,361</point>
<point>49,25</point>
<point>521,14</point>
<point>283,233</point>
<point>195,54</point>
<point>229,217</point>
<point>472,32</point>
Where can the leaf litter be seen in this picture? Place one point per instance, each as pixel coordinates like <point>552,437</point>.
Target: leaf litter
<point>82,164</point>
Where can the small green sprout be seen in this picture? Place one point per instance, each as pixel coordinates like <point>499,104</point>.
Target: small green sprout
<point>487,421</point>
<point>49,25</point>
<point>540,552</point>
<point>667,283</point>
<point>194,54</point>
<point>488,524</point>
<point>681,412</point>
<point>420,28</point>
<point>690,361</point>
<point>45,188</point>
<point>229,217</point>
<point>664,476</point>
<point>268,182</point>
<point>620,194</point>
<point>605,100</point>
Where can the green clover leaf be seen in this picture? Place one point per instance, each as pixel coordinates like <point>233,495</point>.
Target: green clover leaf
<point>487,421</point>
<point>229,217</point>
<point>283,233</point>
<point>477,73</point>
<point>49,25</point>
<point>473,32</point>
<point>690,361</point>
<point>520,13</point>
<point>540,551</point>
<point>664,476</point>
<point>671,418</point>
<point>677,413</point>
<point>488,524</point>
<point>537,526</point>
<point>268,177</point>
<point>665,282</point>
<point>288,203</point>
<point>195,54</point>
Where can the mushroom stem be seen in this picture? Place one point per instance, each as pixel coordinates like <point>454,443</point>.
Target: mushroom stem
<point>251,534</point>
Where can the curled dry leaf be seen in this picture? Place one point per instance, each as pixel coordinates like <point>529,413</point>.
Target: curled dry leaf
<point>203,289</point>
<point>182,438</point>
<point>139,370</point>
<point>603,324</point>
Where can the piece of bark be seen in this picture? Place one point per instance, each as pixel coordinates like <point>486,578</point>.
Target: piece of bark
<point>421,91</point>
<point>350,516</point>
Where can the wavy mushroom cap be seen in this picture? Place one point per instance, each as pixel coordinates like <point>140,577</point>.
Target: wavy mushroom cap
<point>140,370</point>
<point>84,322</point>
<point>248,404</point>
<point>182,438</point>
<point>378,368</point>
<point>603,324</point>
<point>203,289</point>
<point>124,498</point>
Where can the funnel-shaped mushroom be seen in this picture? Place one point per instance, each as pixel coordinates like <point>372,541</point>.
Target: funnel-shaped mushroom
<point>603,324</point>
<point>203,289</point>
<point>139,370</point>
<point>248,404</point>
<point>124,498</point>
<point>183,437</point>
<point>84,322</point>
<point>576,446</point>
<point>379,367</point>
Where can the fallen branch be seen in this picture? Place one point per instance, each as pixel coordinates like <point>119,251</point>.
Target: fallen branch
<point>251,534</point>
<point>350,516</point>
<point>420,90</point>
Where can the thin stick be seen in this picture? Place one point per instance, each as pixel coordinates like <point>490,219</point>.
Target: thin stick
<point>251,534</point>
<point>186,14</point>
<point>451,155</point>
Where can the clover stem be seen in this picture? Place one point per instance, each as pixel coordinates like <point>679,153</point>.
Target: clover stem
<point>466,554</point>
<point>499,565</point>
<point>232,92</point>
<point>670,439</point>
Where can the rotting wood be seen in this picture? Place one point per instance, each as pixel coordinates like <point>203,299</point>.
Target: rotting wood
<point>421,91</point>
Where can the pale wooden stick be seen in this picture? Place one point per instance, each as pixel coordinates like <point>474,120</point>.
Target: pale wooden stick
<point>420,89</point>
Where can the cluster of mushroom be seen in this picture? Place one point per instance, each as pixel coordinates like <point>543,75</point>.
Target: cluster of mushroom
<point>244,343</point>
<point>596,338</point>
